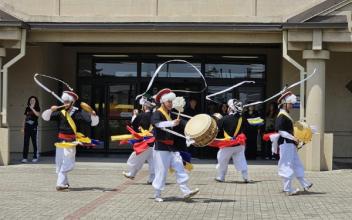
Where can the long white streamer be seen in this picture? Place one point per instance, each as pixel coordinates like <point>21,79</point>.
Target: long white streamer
<point>283,90</point>
<point>47,89</point>
<point>226,90</point>
<point>169,61</point>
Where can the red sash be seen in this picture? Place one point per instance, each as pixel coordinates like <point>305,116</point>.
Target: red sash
<point>239,140</point>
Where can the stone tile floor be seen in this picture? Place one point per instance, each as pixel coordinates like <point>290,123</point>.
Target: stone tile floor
<point>99,191</point>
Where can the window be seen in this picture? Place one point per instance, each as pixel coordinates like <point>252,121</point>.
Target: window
<point>85,65</point>
<point>182,70</point>
<point>118,69</point>
<point>231,71</point>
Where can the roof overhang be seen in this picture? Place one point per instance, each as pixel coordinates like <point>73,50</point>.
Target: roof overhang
<point>158,26</point>
<point>7,20</point>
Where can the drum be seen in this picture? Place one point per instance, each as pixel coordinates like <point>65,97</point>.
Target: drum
<point>302,131</point>
<point>217,116</point>
<point>202,129</point>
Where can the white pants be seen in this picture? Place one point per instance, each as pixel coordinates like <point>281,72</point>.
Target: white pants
<point>290,166</point>
<point>65,162</point>
<point>238,158</point>
<point>135,163</point>
<point>163,160</point>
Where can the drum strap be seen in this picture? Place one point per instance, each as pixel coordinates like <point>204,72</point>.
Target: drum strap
<point>238,127</point>
<point>239,123</point>
<point>69,120</point>
<point>167,116</point>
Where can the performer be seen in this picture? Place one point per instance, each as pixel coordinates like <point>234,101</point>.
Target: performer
<point>290,165</point>
<point>166,154</point>
<point>67,116</point>
<point>142,122</point>
<point>232,124</point>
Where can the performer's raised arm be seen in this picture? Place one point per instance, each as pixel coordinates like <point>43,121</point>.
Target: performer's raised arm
<point>51,114</point>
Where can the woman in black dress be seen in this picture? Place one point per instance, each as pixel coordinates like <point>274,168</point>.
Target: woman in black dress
<point>270,127</point>
<point>30,126</point>
<point>252,134</point>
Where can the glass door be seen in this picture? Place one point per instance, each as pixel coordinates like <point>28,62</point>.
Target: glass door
<point>94,95</point>
<point>119,112</point>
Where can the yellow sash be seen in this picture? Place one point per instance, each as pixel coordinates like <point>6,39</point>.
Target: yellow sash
<point>239,123</point>
<point>79,136</point>
<point>167,116</point>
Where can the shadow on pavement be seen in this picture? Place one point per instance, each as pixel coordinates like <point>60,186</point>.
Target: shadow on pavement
<point>241,182</point>
<point>102,189</point>
<point>196,200</point>
<point>302,193</point>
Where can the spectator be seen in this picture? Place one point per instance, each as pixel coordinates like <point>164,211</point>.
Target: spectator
<point>191,108</point>
<point>30,126</point>
<point>270,118</point>
<point>212,108</point>
<point>223,109</point>
<point>252,134</point>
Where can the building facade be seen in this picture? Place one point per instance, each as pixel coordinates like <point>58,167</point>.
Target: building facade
<point>108,50</point>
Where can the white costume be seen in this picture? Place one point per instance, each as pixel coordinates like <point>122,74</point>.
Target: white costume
<point>166,154</point>
<point>231,125</point>
<point>135,162</point>
<point>239,160</point>
<point>65,155</point>
<point>289,166</point>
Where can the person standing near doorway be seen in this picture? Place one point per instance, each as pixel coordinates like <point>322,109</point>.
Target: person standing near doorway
<point>252,135</point>
<point>269,127</point>
<point>191,109</point>
<point>30,126</point>
<point>223,109</point>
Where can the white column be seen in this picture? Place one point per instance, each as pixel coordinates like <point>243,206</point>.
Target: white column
<point>4,131</point>
<point>315,107</point>
<point>2,55</point>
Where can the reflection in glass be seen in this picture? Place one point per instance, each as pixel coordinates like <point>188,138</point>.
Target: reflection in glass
<point>85,93</point>
<point>183,70</point>
<point>85,65</point>
<point>120,111</point>
<point>221,98</point>
<point>251,94</point>
<point>117,127</point>
<point>119,69</point>
<point>121,101</point>
<point>234,71</point>
<point>213,107</point>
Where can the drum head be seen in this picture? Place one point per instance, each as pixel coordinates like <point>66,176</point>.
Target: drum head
<point>302,131</point>
<point>197,125</point>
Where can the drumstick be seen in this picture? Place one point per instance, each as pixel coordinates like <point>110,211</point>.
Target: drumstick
<point>183,115</point>
<point>178,115</point>
<point>61,106</point>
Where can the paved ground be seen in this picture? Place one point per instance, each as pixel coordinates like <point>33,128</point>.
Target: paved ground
<point>99,191</point>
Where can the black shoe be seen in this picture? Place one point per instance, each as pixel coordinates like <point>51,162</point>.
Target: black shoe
<point>308,187</point>
<point>219,180</point>
<point>62,188</point>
